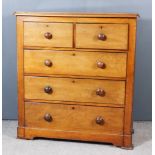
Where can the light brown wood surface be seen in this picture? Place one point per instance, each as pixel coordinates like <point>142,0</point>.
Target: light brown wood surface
<point>74,50</point>
<point>62,34</point>
<point>114,139</point>
<point>74,118</point>
<point>78,14</point>
<point>82,90</point>
<point>128,120</point>
<point>116,34</point>
<point>75,76</point>
<point>75,20</point>
<point>76,103</point>
<point>75,63</point>
<point>20,66</point>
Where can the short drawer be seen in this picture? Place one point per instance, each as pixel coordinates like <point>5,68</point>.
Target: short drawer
<point>71,89</point>
<point>64,117</point>
<point>75,63</point>
<point>102,36</point>
<point>48,34</point>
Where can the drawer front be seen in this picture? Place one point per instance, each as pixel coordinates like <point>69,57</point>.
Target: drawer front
<point>48,34</point>
<point>74,118</point>
<point>102,36</point>
<point>75,63</point>
<point>78,90</point>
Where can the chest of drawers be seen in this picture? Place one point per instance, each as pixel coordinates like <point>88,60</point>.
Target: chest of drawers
<point>76,76</point>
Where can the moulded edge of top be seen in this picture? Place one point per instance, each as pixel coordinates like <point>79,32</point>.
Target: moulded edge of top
<point>78,14</point>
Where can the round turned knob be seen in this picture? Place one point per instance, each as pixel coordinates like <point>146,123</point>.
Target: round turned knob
<point>101,65</point>
<point>48,118</point>
<point>48,63</point>
<point>102,37</point>
<point>99,120</point>
<point>48,35</point>
<point>48,90</point>
<point>100,92</point>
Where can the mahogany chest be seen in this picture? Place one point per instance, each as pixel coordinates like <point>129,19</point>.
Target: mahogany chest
<point>76,76</point>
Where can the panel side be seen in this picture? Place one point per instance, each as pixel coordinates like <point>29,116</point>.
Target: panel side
<point>20,64</point>
<point>130,84</point>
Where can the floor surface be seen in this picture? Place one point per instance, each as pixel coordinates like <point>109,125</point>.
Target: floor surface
<point>11,146</point>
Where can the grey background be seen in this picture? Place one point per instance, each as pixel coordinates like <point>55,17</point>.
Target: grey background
<point>143,76</point>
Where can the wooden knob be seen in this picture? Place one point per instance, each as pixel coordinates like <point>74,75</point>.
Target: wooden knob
<point>48,117</point>
<point>101,65</point>
<point>48,63</point>
<point>100,92</point>
<point>99,120</point>
<point>48,90</point>
<point>48,35</point>
<point>102,37</point>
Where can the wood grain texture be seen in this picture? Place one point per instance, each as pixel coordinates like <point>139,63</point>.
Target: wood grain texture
<point>77,14</point>
<point>73,45</point>
<point>74,49</point>
<point>75,63</point>
<point>116,36</point>
<point>31,133</point>
<point>75,20</point>
<point>62,34</point>
<point>76,103</point>
<point>20,66</point>
<point>130,85</point>
<point>66,118</point>
<point>82,90</point>
<point>20,132</point>
<point>74,76</point>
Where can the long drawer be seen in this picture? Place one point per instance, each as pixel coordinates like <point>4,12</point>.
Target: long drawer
<point>75,63</point>
<point>74,118</point>
<point>78,90</point>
